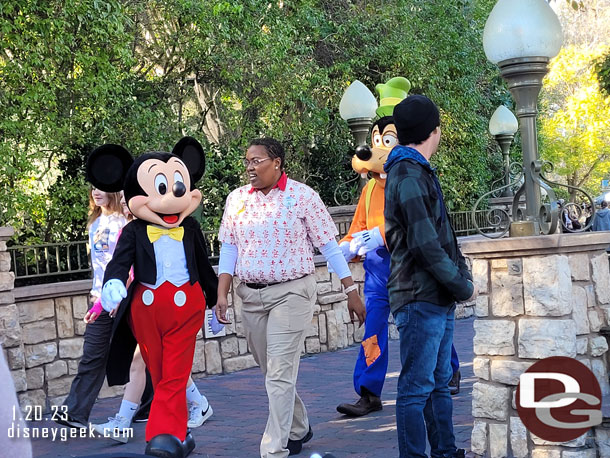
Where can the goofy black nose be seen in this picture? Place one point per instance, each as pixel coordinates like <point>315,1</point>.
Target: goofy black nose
<point>178,189</point>
<point>363,152</point>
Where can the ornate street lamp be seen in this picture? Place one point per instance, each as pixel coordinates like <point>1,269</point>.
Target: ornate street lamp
<point>503,125</point>
<point>521,36</point>
<point>357,107</point>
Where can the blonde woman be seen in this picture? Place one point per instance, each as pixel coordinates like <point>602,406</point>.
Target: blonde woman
<point>105,222</point>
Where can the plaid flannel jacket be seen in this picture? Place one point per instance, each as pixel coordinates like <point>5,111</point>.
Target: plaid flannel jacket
<point>426,262</point>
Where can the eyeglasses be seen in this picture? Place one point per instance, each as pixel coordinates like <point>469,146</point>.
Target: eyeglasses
<point>254,162</point>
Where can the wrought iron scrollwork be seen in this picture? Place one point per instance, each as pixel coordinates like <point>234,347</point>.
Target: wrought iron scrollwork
<point>552,210</point>
<point>515,170</point>
<point>344,192</point>
<point>548,213</point>
<point>497,219</point>
<point>563,211</point>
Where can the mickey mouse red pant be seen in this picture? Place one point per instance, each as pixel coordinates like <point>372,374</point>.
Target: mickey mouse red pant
<point>165,322</point>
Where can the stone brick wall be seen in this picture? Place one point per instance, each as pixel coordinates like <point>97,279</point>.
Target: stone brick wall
<point>331,328</point>
<point>538,297</point>
<point>10,328</point>
<point>42,331</point>
<point>51,322</point>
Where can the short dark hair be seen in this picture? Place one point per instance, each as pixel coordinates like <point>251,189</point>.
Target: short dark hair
<point>274,148</point>
<point>604,203</point>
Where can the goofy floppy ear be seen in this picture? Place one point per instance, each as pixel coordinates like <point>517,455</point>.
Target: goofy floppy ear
<point>191,152</point>
<point>107,167</point>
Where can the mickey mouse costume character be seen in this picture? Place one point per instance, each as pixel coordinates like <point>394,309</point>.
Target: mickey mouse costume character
<point>173,279</point>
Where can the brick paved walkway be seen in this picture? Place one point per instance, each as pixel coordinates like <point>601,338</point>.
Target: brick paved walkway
<point>240,412</point>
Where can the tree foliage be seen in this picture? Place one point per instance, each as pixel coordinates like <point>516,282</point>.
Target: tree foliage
<point>66,82</point>
<point>602,67</point>
<point>78,73</point>
<point>575,126</point>
<point>588,25</point>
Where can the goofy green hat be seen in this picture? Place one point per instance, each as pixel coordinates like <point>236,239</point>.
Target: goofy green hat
<point>391,94</point>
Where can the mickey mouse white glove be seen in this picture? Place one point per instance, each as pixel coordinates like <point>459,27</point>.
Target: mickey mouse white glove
<point>113,292</point>
<point>365,241</point>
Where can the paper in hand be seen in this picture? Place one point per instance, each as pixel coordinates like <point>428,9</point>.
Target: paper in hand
<point>215,325</point>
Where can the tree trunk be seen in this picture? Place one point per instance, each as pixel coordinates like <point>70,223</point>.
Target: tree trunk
<point>212,126</point>
<point>572,181</point>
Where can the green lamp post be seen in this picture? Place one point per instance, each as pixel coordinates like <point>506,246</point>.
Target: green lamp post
<point>357,108</point>
<point>520,36</point>
<point>503,125</point>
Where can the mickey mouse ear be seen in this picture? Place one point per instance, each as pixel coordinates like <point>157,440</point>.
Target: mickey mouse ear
<point>107,167</point>
<point>191,152</point>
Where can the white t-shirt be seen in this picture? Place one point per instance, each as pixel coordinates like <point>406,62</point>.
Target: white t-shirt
<point>103,235</point>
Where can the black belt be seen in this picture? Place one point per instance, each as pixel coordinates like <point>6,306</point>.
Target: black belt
<point>261,285</point>
<point>264,285</point>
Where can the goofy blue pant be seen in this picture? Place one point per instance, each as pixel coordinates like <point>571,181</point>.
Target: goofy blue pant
<point>372,364</point>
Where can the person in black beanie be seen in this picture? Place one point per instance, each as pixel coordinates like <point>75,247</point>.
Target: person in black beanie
<point>428,276</point>
<point>418,130</point>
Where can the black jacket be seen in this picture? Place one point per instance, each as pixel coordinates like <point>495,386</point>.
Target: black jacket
<point>134,249</point>
<point>426,262</point>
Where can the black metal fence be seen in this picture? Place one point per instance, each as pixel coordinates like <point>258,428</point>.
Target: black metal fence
<point>462,222</point>
<point>53,262</point>
<point>50,262</point>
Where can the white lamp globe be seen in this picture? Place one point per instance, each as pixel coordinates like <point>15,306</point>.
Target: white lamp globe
<point>521,28</point>
<point>357,102</point>
<point>503,122</point>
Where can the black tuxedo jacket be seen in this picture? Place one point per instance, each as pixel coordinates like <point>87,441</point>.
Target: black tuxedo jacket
<point>134,249</point>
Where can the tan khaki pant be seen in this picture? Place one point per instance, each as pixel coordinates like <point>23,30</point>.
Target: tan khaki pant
<point>275,320</point>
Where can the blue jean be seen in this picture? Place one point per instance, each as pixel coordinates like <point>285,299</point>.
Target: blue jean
<point>426,335</point>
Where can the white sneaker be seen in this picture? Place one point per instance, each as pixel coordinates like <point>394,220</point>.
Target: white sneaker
<point>197,416</point>
<point>117,428</point>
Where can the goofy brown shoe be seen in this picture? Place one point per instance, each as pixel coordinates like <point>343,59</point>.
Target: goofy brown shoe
<point>367,403</point>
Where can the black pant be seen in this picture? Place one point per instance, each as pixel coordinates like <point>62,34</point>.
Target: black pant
<point>91,368</point>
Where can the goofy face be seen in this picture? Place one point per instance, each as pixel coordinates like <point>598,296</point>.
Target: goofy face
<point>159,187</point>
<point>371,159</point>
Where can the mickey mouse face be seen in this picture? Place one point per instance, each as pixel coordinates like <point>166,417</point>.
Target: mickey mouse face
<point>167,197</point>
<point>158,187</point>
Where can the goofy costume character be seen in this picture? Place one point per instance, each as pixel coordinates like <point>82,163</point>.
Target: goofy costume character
<point>173,279</point>
<point>366,236</point>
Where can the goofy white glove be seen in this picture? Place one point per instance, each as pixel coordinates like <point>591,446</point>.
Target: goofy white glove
<point>365,241</point>
<point>345,251</point>
<point>113,292</point>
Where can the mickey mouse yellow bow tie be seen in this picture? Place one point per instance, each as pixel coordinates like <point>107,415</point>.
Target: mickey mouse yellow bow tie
<point>155,233</point>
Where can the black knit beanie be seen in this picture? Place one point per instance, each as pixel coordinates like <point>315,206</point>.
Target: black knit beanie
<point>415,118</point>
